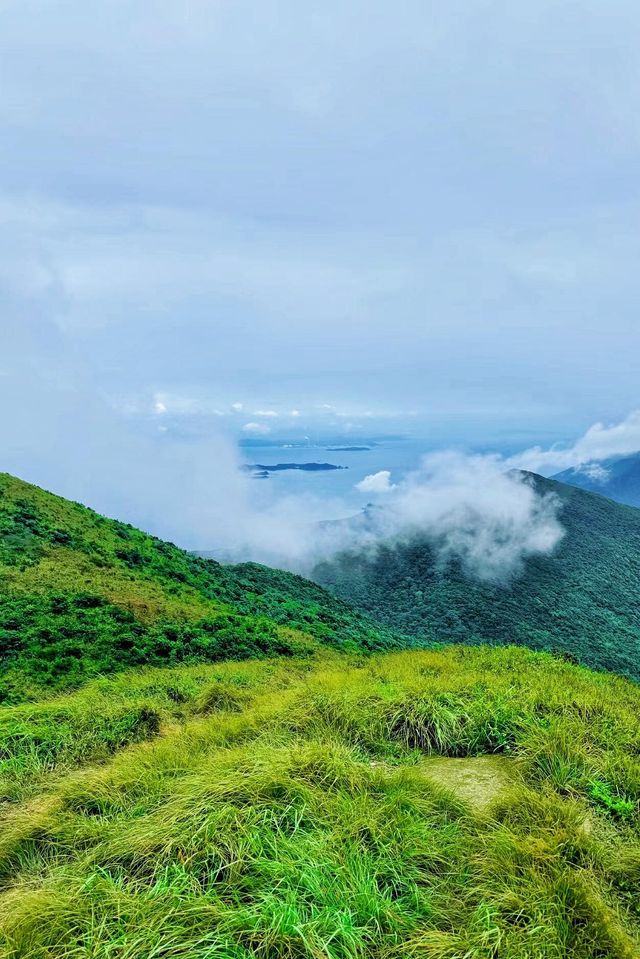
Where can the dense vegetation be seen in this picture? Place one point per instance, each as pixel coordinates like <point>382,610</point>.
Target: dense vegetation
<point>581,601</point>
<point>466,803</point>
<point>82,595</point>
<point>617,477</point>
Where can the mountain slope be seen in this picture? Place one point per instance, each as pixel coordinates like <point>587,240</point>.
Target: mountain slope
<point>583,600</point>
<point>617,477</point>
<point>81,594</point>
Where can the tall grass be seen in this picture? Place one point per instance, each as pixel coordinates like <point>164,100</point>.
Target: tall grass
<point>286,809</point>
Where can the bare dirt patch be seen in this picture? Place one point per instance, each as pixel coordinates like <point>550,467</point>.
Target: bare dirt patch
<point>477,780</point>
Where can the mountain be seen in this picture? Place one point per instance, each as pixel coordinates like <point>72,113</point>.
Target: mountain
<point>82,595</point>
<point>617,477</point>
<point>583,600</point>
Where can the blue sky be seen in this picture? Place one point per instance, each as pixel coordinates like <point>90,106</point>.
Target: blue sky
<point>385,217</point>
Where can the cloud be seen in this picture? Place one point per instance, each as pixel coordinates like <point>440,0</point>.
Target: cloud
<point>237,407</point>
<point>268,413</point>
<point>599,442</point>
<point>379,482</point>
<point>470,511</point>
<point>258,429</point>
<point>594,471</point>
<point>497,236</point>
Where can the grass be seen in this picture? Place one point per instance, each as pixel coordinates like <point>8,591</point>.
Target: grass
<point>283,809</point>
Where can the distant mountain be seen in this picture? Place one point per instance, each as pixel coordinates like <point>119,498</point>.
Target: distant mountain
<point>82,595</point>
<point>582,601</point>
<point>617,477</point>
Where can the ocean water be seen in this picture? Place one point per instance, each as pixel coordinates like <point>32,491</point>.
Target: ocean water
<point>336,487</point>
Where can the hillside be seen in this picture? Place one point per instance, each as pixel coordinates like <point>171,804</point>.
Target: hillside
<point>304,802</point>
<point>582,601</point>
<point>81,595</point>
<point>617,477</point>
<point>459,803</point>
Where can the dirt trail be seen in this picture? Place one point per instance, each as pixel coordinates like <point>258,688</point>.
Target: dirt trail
<point>477,780</point>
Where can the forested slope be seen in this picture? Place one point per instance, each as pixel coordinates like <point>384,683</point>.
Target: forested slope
<point>583,600</point>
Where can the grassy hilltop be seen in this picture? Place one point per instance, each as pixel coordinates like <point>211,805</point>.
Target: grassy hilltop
<point>82,595</point>
<point>459,804</point>
<point>583,600</point>
<point>302,799</point>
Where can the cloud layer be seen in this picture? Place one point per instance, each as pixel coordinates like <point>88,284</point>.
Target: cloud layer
<point>348,209</point>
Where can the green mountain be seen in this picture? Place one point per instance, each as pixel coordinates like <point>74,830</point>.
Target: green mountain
<point>82,595</point>
<point>582,601</point>
<point>617,477</point>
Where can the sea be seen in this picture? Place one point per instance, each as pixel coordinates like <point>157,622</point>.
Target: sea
<point>338,488</point>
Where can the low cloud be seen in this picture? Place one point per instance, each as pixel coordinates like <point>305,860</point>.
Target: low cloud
<point>600,442</point>
<point>594,472</point>
<point>376,483</point>
<point>471,511</point>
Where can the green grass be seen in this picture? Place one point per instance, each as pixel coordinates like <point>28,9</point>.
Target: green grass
<point>82,595</point>
<point>581,601</point>
<point>291,808</point>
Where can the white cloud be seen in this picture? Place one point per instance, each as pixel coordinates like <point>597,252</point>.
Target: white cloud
<point>294,413</point>
<point>259,429</point>
<point>268,413</point>
<point>159,407</point>
<point>379,482</point>
<point>594,471</point>
<point>237,407</point>
<point>599,442</point>
<point>470,511</point>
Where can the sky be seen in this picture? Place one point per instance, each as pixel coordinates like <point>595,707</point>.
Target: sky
<point>246,219</point>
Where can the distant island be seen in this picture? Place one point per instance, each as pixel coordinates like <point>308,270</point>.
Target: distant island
<point>259,469</point>
<point>348,449</point>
